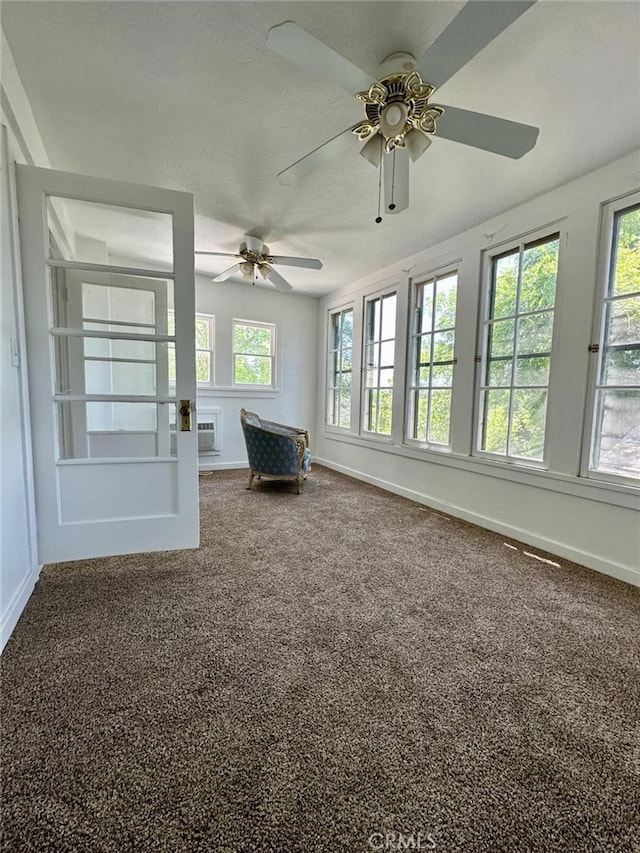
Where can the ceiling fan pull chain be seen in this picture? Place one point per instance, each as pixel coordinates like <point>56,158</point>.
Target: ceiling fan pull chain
<point>378,217</point>
<point>392,206</point>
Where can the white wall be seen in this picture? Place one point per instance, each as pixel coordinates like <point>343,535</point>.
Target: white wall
<point>293,400</point>
<point>595,524</point>
<point>18,567</point>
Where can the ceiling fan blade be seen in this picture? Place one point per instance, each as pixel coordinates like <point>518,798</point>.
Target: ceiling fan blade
<point>219,254</point>
<point>473,28</point>
<point>508,138</point>
<point>300,47</point>
<point>307,263</point>
<point>323,154</point>
<point>227,273</point>
<point>277,280</point>
<point>395,171</point>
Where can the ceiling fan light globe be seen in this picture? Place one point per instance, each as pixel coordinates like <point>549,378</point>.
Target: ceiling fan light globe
<point>247,269</point>
<point>393,119</point>
<point>265,270</point>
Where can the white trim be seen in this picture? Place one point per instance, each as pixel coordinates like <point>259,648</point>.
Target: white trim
<point>582,558</point>
<point>14,609</point>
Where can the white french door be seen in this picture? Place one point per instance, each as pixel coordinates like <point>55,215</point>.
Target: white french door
<point>115,463</point>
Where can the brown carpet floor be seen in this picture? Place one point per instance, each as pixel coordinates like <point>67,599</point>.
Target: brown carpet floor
<point>342,670</point>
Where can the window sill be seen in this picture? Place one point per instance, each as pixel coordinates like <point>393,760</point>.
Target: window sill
<point>588,489</point>
<point>237,390</point>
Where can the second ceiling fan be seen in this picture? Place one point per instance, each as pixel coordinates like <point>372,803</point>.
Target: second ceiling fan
<point>255,258</point>
<point>399,119</point>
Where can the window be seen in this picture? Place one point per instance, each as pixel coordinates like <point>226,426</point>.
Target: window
<point>204,348</point>
<point>518,331</point>
<point>340,368</point>
<point>379,361</point>
<point>432,359</point>
<point>253,353</point>
<point>615,442</point>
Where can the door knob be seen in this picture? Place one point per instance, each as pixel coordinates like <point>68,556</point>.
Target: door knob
<point>185,415</point>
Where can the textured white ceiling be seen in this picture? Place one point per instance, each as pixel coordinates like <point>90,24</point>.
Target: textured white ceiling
<point>185,95</point>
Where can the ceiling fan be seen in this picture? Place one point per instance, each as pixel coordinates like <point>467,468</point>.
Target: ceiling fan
<point>254,257</point>
<point>399,119</point>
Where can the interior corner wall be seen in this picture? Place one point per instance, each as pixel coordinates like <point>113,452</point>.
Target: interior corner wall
<point>293,400</point>
<point>561,515</point>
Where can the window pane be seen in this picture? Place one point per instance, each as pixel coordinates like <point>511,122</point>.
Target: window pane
<point>388,317</point>
<point>496,421</point>
<point>420,415</point>
<point>500,371</point>
<point>539,274</point>
<point>623,320</point>
<point>626,274</point>
<point>534,333</point>
<point>346,361</point>
<point>617,446</point>
<point>425,303</point>
<point>443,346</point>
<point>252,370</point>
<point>439,417</point>
<point>202,334</point>
<point>387,350</point>
<point>371,409</point>
<point>345,408</point>
<point>253,340</point>
<point>533,371</point>
<point>442,375</point>
<point>203,367</point>
<point>622,367</point>
<point>446,302</point>
<point>528,424</point>
<point>505,288</point>
<point>347,327</point>
<point>501,337</point>
<point>385,402</point>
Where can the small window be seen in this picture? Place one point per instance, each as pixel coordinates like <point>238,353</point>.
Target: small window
<point>254,347</point>
<point>516,362</point>
<point>379,360</point>
<point>204,349</point>
<point>432,359</point>
<point>615,443</point>
<point>340,368</point>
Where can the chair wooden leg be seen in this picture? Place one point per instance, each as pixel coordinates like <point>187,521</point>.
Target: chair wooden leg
<point>250,479</point>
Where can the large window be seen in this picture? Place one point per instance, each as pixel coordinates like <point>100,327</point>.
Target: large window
<point>254,350</point>
<point>432,359</point>
<point>615,443</point>
<point>379,363</point>
<point>340,368</point>
<point>516,360</point>
<point>204,349</point>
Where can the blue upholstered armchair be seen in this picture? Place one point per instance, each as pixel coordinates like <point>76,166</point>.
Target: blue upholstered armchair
<point>275,450</point>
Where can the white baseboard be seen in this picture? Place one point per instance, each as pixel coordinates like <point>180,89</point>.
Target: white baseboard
<point>222,466</point>
<point>16,606</point>
<point>574,555</point>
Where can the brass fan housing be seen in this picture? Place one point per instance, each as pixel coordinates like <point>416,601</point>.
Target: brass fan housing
<point>396,105</point>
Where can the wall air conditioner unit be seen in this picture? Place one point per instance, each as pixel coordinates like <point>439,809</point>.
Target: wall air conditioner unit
<point>209,426</point>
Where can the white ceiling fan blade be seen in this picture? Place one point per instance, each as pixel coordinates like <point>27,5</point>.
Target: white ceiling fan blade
<point>277,280</point>
<point>473,28</point>
<point>322,155</point>
<point>508,138</point>
<point>308,52</point>
<point>395,171</point>
<point>307,263</point>
<point>227,273</point>
<point>219,254</point>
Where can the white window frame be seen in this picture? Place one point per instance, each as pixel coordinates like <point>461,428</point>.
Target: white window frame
<point>211,323</point>
<point>485,321</point>
<point>413,337</point>
<point>332,351</point>
<point>369,299</point>
<point>609,211</point>
<point>261,325</point>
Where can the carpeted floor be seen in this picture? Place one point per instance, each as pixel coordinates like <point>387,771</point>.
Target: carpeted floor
<point>342,670</point>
